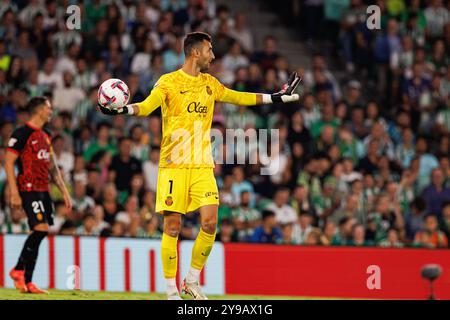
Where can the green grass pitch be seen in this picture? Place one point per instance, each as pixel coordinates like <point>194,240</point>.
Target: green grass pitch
<point>12,294</point>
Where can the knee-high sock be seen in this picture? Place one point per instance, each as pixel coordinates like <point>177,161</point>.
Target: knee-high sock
<point>29,254</point>
<point>169,255</point>
<point>202,248</point>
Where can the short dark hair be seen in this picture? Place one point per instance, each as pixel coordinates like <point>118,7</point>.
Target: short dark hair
<point>192,39</point>
<point>267,214</point>
<point>155,147</point>
<point>123,139</point>
<point>35,103</point>
<point>269,37</point>
<point>58,203</point>
<point>282,188</point>
<point>134,127</point>
<point>102,124</point>
<point>88,216</point>
<point>343,221</point>
<point>226,222</point>
<point>57,137</point>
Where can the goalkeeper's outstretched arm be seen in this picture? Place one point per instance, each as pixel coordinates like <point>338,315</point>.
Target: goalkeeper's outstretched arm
<point>150,104</point>
<point>250,99</point>
<point>144,108</point>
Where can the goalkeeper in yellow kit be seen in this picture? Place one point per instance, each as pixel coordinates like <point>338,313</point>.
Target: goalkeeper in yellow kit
<point>185,179</point>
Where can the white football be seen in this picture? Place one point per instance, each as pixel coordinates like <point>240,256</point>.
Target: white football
<point>113,94</point>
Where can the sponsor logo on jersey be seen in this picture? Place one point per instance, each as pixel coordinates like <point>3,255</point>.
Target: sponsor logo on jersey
<point>197,108</point>
<point>43,154</point>
<point>210,194</point>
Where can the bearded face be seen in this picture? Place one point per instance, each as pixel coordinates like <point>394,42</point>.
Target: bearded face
<point>206,56</point>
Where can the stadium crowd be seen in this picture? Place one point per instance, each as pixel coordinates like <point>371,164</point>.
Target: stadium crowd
<point>363,162</point>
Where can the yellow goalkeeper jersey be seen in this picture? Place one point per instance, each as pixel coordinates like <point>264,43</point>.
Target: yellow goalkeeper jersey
<point>187,107</point>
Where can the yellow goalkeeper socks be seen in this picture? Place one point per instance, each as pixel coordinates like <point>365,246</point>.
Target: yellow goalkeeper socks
<point>169,255</point>
<point>201,250</point>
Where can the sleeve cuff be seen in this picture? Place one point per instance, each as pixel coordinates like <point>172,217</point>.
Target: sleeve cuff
<point>13,150</point>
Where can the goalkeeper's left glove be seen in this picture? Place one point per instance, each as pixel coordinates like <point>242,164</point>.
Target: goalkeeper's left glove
<point>115,112</point>
<point>285,94</point>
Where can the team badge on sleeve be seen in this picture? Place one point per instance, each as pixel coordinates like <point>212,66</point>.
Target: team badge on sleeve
<point>12,142</point>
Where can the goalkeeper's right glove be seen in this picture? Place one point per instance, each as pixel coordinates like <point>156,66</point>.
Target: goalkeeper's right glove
<point>114,112</point>
<point>285,94</point>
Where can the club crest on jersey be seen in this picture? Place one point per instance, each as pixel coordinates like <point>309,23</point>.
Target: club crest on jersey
<point>208,90</point>
<point>43,154</point>
<point>168,201</point>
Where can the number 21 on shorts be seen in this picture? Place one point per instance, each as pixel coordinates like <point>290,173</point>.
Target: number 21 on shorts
<point>38,206</point>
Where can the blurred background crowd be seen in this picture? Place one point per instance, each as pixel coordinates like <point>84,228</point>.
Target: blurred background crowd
<point>363,157</point>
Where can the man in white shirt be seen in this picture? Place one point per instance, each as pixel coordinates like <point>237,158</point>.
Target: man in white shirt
<point>67,62</point>
<point>130,217</point>
<point>67,97</point>
<point>27,14</point>
<point>49,76</point>
<point>234,58</point>
<point>64,159</point>
<point>284,213</point>
<point>241,33</point>
<point>302,228</point>
<point>150,168</point>
<point>437,17</point>
<point>81,202</point>
<point>349,174</point>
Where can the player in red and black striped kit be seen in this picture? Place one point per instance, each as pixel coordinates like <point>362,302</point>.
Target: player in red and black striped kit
<point>31,144</point>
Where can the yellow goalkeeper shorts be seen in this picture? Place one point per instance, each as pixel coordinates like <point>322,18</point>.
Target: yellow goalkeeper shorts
<point>185,190</point>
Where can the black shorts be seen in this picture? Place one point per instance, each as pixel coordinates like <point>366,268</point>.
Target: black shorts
<point>38,207</point>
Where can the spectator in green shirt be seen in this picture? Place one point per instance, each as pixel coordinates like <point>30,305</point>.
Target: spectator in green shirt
<point>286,231</point>
<point>325,140</point>
<point>328,118</point>
<point>349,145</point>
<point>414,9</point>
<point>150,229</point>
<point>95,11</point>
<point>101,143</point>
<point>344,234</point>
<point>227,232</point>
<point>334,11</point>
<point>392,240</point>
<point>359,236</point>
<point>245,219</point>
<point>224,212</point>
<point>17,224</point>
<point>308,177</point>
